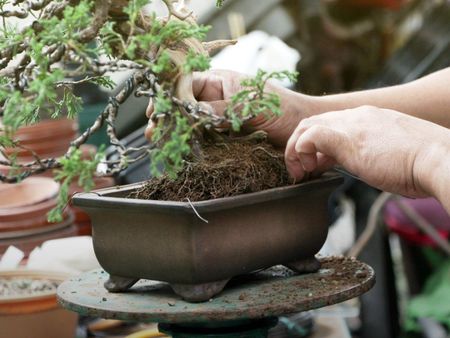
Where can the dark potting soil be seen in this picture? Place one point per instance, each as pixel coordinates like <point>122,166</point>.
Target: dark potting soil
<point>225,169</point>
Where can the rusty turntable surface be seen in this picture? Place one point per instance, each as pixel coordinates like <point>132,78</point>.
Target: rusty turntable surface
<point>247,307</point>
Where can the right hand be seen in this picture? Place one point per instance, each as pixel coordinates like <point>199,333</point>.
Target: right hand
<point>216,88</point>
<point>385,148</point>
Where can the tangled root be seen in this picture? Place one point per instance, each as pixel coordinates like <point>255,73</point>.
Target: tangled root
<point>226,169</point>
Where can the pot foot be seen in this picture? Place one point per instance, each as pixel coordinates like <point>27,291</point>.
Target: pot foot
<point>196,293</point>
<point>119,284</point>
<point>307,265</point>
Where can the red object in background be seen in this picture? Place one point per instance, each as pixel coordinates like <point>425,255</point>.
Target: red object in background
<point>390,4</point>
<point>429,208</point>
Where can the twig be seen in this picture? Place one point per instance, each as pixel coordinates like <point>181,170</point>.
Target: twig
<point>268,153</point>
<point>195,211</point>
<point>371,226</point>
<point>109,114</point>
<point>73,83</point>
<point>99,19</point>
<point>177,12</point>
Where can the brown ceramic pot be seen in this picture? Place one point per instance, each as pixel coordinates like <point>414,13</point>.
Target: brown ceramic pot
<point>205,243</point>
<point>82,219</point>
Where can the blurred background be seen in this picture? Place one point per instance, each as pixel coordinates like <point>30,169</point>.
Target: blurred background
<point>336,46</point>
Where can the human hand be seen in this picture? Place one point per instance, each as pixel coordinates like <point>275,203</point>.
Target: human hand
<point>387,149</point>
<point>216,88</point>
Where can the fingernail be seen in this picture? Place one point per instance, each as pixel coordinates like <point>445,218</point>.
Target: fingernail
<point>308,161</point>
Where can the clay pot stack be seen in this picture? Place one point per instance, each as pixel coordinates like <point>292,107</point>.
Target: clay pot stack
<point>29,308</point>
<point>23,214</point>
<point>82,219</point>
<point>46,139</point>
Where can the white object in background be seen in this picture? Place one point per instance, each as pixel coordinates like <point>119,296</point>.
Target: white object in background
<point>341,235</point>
<point>11,258</point>
<point>71,255</point>
<point>257,50</point>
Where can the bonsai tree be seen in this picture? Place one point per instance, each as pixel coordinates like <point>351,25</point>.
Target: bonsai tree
<point>72,42</point>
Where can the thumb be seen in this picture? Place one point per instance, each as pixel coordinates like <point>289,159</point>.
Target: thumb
<point>217,107</point>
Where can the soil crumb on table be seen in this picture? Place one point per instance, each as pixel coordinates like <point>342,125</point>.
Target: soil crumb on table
<point>226,169</point>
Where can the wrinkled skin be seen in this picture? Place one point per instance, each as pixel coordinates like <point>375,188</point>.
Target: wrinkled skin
<point>392,151</point>
<point>215,88</point>
<point>387,149</point>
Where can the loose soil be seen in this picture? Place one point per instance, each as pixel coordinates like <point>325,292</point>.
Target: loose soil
<point>225,169</point>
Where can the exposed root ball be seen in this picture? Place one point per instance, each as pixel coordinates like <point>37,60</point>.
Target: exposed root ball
<point>227,169</point>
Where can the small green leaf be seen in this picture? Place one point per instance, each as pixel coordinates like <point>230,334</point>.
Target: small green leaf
<point>253,100</point>
<point>196,62</point>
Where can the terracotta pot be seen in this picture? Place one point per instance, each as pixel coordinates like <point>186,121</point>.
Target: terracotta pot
<point>28,243</point>
<point>84,228</point>
<point>168,241</point>
<point>19,230</point>
<point>46,130</point>
<point>48,138</point>
<point>30,223</point>
<point>30,191</point>
<point>88,151</point>
<point>35,211</point>
<point>24,206</point>
<point>43,150</point>
<point>37,316</point>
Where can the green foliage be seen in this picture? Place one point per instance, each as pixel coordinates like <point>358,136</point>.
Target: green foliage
<point>219,3</point>
<point>70,103</point>
<point>9,37</point>
<point>170,156</point>
<point>74,169</point>
<point>166,34</point>
<point>46,86</point>
<point>162,104</point>
<point>252,100</point>
<point>175,31</point>
<point>133,10</point>
<point>163,64</point>
<point>196,62</point>
<point>21,108</point>
<point>65,29</point>
<point>109,37</point>
<point>6,141</point>
<point>103,81</point>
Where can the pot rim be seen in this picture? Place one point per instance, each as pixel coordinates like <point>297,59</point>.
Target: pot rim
<point>101,198</point>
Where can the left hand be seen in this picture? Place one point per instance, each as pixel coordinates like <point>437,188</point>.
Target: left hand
<point>216,87</point>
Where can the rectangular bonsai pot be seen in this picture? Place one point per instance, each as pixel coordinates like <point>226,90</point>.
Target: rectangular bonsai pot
<point>168,241</point>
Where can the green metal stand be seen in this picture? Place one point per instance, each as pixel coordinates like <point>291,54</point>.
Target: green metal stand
<point>231,329</point>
